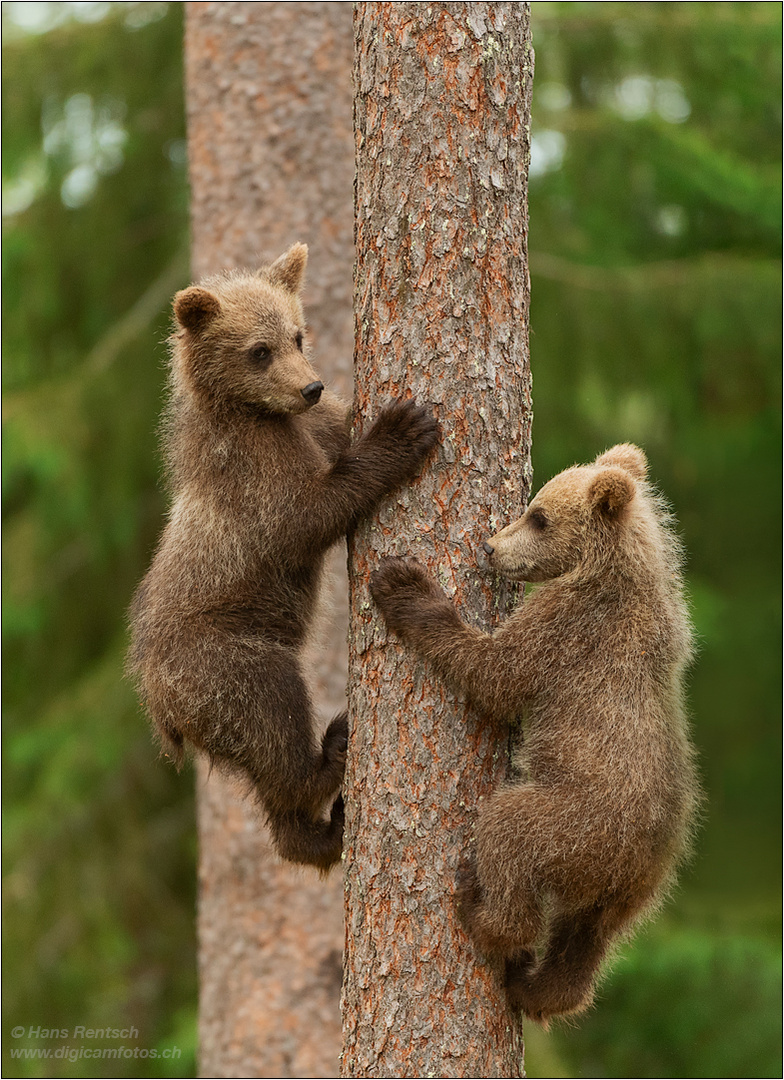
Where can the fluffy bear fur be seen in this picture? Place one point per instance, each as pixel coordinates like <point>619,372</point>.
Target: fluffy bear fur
<point>587,840</point>
<point>264,480</point>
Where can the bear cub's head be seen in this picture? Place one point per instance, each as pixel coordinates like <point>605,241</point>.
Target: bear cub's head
<point>241,339</point>
<point>572,517</point>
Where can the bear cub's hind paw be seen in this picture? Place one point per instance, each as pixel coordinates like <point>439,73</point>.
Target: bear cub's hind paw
<point>334,744</point>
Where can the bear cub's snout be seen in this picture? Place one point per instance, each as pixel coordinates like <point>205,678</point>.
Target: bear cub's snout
<point>312,392</point>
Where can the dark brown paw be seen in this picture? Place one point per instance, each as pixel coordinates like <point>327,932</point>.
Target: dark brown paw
<point>395,576</point>
<point>541,992</point>
<point>337,815</point>
<point>405,593</point>
<point>334,745</point>
<point>517,974</point>
<point>409,432</point>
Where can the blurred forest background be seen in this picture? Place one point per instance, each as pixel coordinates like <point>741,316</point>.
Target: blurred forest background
<point>655,203</point>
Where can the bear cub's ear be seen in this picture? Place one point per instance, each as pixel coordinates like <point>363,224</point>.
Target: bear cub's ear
<point>627,456</point>
<point>288,271</point>
<point>195,307</point>
<point>611,491</point>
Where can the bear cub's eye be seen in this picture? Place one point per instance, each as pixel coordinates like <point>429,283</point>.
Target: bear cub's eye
<point>260,354</point>
<point>299,339</point>
<point>538,519</point>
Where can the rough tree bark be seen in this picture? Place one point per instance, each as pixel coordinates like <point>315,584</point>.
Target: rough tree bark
<point>271,162</point>
<point>442,108</point>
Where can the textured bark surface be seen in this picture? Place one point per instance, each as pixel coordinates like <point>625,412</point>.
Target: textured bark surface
<point>442,109</point>
<point>271,162</point>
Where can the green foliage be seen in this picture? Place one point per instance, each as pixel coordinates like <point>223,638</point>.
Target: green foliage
<point>655,237</point>
<point>701,977</point>
<point>657,1014</point>
<point>99,838</point>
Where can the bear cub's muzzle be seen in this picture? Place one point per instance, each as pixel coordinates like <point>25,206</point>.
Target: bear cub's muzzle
<point>312,392</point>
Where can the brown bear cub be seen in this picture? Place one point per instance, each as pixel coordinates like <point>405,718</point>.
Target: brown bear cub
<point>585,842</point>
<point>264,480</point>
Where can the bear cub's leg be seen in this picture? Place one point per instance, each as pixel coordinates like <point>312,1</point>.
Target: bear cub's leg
<point>295,813</point>
<point>562,982</point>
<point>329,774</point>
<point>265,726</point>
<point>300,839</point>
<point>484,922</point>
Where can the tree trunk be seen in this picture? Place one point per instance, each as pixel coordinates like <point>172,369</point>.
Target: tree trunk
<point>442,123</point>
<point>269,115</point>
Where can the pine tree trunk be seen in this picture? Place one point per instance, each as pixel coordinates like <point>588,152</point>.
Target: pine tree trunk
<point>442,114</point>
<point>269,115</point>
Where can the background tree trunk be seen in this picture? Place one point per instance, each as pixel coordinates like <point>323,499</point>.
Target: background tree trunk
<point>269,129</point>
<point>442,123</point>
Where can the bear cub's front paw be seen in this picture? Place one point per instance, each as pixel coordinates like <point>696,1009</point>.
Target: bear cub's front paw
<point>409,431</point>
<point>399,587</point>
<point>396,578</point>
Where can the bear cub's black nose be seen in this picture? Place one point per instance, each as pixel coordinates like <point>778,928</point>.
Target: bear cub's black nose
<point>489,549</point>
<point>312,392</point>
